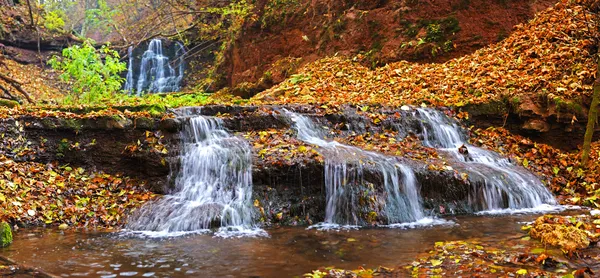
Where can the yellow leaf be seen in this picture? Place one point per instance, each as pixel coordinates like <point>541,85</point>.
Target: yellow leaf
<point>435,262</point>
<point>522,271</point>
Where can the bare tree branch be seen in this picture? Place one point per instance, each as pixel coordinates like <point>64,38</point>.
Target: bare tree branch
<point>17,85</point>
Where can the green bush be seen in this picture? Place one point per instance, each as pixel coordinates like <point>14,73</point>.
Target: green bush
<point>93,73</point>
<point>54,20</point>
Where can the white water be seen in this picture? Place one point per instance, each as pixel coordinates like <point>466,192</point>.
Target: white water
<point>507,187</point>
<point>156,74</point>
<point>129,77</point>
<point>213,187</point>
<point>344,169</point>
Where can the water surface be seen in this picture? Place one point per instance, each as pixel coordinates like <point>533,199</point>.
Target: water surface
<point>288,252</point>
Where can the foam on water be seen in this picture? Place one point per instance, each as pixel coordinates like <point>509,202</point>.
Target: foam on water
<point>421,223</point>
<point>213,187</point>
<point>505,185</point>
<point>324,226</point>
<point>344,169</point>
<point>544,208</point>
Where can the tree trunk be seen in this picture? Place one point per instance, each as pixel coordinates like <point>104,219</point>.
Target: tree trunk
<point>592,118</point>
<point>30,13</point>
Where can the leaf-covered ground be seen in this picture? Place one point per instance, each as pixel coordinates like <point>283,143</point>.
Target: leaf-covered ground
<point>569,233</point>
<point>40,84</point>
<point>48,194</point>
<point>551,55</point>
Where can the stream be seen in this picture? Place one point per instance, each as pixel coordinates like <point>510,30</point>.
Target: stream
<point>287,252</point>
<point>173,236</point>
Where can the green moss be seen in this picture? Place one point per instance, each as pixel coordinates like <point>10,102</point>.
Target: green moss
<point>156,110</point>
<point>6,237</point>
<point>8,103</point>
<point>410,30</point>
<point>277,12</point>
<point>48,123</point>
<point>567,106</point>
<point>144,123</point>
<point>488,108</point>
<point>502,35</point>
<point>439,30</point>
<point>73,124</point>
<point>339,25</point>
<point>515,101</point>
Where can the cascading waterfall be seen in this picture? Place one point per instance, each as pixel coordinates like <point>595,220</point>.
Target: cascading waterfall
<point>213,186</point>
<point>344,169</point>
<point>156,74</point>
<point>507,186</point>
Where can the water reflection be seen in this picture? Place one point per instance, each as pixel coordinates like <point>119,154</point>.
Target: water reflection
<point>288,252</point>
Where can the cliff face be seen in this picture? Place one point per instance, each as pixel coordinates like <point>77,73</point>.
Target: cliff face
<point>289,33</point>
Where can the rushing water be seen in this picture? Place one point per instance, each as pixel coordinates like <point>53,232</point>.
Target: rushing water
<point>157,74</point>
<point>344,169</point>
<point>506,186</point>
<point>213,187</point>
<point>288,252</point>
<point>129,83</point>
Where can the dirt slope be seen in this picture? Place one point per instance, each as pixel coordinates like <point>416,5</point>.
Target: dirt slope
<point>381,31</point>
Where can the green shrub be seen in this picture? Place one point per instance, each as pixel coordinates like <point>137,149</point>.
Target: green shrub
<point>54,20</point>
<point>93,73</point>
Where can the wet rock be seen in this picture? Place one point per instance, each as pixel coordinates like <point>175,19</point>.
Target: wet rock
<point>144,123</point>
<point>170,125</point>
<point>536,125</point>
<point>92,143</point>
<point>8,103</point>
<point>117,123</point>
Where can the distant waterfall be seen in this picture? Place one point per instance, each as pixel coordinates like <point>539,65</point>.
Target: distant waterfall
<point>344,169</point>
<point>507,186</point>
<point>156,73</point>
<point>129,78</point>
<point>214,186</point>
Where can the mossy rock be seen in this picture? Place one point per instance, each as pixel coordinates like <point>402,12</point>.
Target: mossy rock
<point>493,108</point>
<point>8,103</point>
<point>6,237</point>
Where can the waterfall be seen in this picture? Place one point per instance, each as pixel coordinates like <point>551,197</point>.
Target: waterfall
<point>213,186</point>
<point>129,78</point>
<point>156,73</point>
<point>506,186</point>
<point>344,170</point>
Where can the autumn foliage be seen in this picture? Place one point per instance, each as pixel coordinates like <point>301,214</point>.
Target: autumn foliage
<point>551,55</point>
